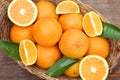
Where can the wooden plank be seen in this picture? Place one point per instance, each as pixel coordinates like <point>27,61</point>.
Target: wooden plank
<point>10,70</point>
<point>108,8</point>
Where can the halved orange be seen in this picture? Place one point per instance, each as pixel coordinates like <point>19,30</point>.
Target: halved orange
<point>22,12</point>
<point>92,24</point>
<point>66,7</point>
<point>93,67</point>
<point>28,52</point>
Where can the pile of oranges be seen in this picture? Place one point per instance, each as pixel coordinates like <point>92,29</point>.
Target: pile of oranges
<point>55,32</point>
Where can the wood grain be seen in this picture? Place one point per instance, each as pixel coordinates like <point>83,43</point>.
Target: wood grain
<point>10,70</point>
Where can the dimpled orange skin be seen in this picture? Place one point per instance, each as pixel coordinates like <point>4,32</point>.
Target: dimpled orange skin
<point>98,46</point>
<point>74,44</point>
<point>46,10</point>
<point>71,21</point>
<point>18,33</point>
<point>47,31</point>
<point>73,71</point>
<point>47,56</point>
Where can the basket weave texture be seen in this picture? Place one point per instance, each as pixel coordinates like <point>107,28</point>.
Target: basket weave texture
<point>112,59</point>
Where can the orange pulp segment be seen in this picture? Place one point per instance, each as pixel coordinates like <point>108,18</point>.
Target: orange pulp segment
<point>93,67</point>
<point>22,12</point>
<point>28,52</point>
<point>92,24</point>
<point>66,7</point>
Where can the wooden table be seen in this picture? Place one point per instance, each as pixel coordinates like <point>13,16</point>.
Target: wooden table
<point>10,70</point>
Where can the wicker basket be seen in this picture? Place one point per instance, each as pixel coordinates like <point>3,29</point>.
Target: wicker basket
<point>5,26</point>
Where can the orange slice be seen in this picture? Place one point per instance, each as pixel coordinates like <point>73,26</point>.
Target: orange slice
<point>93,67</point>
<point>92,24</point>
<point>22,12</point>
<point>28,52</point>
<point>66,7</point>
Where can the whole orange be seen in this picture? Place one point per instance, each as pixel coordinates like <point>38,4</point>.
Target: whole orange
<point>73,71</point>
<point>47,56</point>
<point>98,46</point>
<point>46,9</point>
<point>47,31</point>
<point>74,43</point>
<point>18,33</point>
<point>69,21</point>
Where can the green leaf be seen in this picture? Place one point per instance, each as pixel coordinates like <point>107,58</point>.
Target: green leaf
<point>110,31</point>
<point>11,49</point>
<point>60,66</point>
